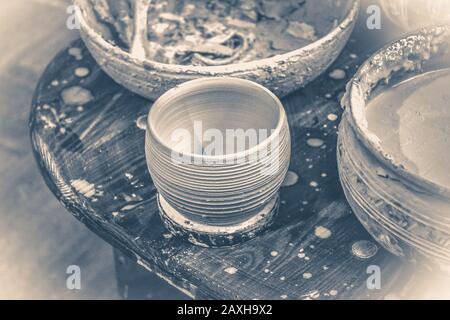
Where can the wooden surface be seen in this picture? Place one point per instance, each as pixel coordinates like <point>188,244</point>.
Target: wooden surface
<point>92,159</point>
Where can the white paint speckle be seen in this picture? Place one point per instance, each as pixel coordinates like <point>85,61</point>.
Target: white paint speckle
<point>322,232</point>
<point>81,72</point>
<point>338,74</point>
<point>315,143</point>
<point>231,270</point>
<point>290,179</point>
<point>301,255</point>
<point>76,53</point>
<point>76,96</point>
<point>313,184</point>
<point>311,295</point>
<point>333,293</point>
<point>307,275</point>
<point>283,296</point>
<point>274,253</point>
<point>129,176</point>
<point>332,117</point>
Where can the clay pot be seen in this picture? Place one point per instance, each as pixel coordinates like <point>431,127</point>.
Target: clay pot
<point>218,150</point>
<point>404,212</point>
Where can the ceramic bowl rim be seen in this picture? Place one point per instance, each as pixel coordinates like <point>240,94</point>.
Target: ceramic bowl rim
<point>356,103</point>
<point>197,84</point>
<point>349,18</point>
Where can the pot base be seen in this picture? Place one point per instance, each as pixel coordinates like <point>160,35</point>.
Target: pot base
<point>217,236</point>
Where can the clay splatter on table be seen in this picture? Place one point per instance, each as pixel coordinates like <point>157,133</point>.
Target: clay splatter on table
<point>103,145</point>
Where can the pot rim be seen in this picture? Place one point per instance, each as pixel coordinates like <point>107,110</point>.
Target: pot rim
<point>347,22</point>
<point>356,98</point>
<point>197,84</point>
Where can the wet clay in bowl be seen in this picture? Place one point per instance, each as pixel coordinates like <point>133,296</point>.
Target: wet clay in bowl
<point>281,45</point>
<point>393,148</point>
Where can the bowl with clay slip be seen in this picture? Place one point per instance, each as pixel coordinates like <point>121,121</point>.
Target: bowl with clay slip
<point>405,210</point>
<point>282,73</point>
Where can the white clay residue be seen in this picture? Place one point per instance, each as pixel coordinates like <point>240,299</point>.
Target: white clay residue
<point>84,187</point>
<point>322,232</point>
<point>313,184</point>
<point>333,293</point>
<point>129,176</point>
<point>364,249</point>
<point>76,53</point>
<point>332,117</point>
<point>81,72</point>
<point>338,74</point>
<point>231,270</point>
<point>76,96</point>
<point>412,121</point>
<point>290,179</point>
<point>315,142</point>
<point>315,294</point>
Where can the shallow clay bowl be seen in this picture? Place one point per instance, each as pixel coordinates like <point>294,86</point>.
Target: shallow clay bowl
<point>281,74</point>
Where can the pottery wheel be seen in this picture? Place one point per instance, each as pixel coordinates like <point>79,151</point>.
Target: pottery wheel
<point>88,138</point>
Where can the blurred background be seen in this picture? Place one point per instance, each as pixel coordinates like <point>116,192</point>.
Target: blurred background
<point>39,238</point>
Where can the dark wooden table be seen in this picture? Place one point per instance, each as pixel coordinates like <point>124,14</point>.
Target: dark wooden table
<point>91,154</point>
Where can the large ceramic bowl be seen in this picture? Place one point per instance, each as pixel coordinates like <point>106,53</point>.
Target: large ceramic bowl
<point>406,213</point>
<point>281,74</point>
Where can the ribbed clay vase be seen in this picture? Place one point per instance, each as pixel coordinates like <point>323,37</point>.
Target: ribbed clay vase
<point>218,150</point>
